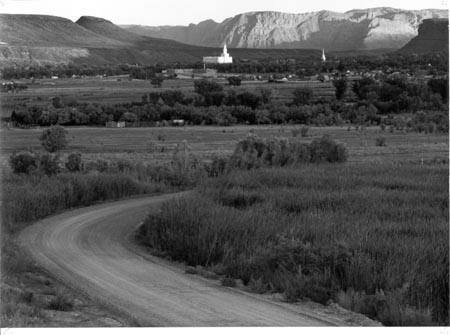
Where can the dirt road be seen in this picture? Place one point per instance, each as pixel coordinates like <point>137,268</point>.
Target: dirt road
<point>91,249</point>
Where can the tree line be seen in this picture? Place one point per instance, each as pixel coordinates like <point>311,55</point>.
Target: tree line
<point>361,102</point>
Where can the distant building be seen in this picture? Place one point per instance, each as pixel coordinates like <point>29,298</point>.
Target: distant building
<point>113,124</point>
<point>224,58</point>
<point>324,59</point>
<point>179,122</point>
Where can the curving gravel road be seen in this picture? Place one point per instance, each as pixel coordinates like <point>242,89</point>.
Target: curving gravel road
<point>91,249</point>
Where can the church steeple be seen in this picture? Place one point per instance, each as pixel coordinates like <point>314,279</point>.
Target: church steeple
<point>225,52</point>
<point>323,56</point>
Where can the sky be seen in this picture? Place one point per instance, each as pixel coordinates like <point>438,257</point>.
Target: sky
<point>179,12</point>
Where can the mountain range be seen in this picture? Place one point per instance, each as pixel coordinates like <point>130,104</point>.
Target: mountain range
<point>43,39</point>
<point>359,29</point>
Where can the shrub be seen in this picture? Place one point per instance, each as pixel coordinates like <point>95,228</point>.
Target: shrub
<point>380,141</point>
<point>327,150</point>
<point>253,152</point>
<point>234,81</point>
<point>54,138</point>
<point>23,162</point>
<point>157,81</point>
<point>74,162</point>
<point>217,166</point>
<point>206,87</point>
<point>49,164</point>
<point>60,303</point>
<point>57,102</point>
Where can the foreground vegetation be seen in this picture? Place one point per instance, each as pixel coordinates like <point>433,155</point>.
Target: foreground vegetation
<point>40,184</point>
<point>373,237</point>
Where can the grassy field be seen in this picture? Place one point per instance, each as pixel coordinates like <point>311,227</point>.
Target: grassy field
<point>112,91</point>
<point>395,195</point>
<point>373,237</point>
<point>147,143</point>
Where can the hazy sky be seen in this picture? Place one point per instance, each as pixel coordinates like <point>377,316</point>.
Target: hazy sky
<point>178,12</point>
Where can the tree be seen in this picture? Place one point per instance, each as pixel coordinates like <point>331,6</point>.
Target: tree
<point>439,85</point>
<point>205,87</point>
<point>302,96</point>
<point>234,81</point>
<point>129,117</point>
<point>54,138</point>
<point>341,86</point>
<point>363,87</point>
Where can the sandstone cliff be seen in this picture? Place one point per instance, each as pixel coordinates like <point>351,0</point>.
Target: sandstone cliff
<point>374,28</point>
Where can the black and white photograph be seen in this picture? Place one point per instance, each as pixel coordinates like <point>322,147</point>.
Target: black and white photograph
<point>271,166</point>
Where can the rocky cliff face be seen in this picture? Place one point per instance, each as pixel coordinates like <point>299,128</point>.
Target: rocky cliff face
<point>433,36</point>
<point>375,28</point>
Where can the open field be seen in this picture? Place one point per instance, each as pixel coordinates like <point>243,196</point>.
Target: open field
<point>147,143</point>
<point>111,91</point>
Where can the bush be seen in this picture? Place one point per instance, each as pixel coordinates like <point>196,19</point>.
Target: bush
<point>206,87</point>
<point>74,162</point>
<point>23,162</point>
<point>380,141</point>
<point>234,81</point>
<point>49,164</point>
<point>327,150</point>
<point>60,303</point>
<point>157,81</point>
<point>57,102</point>
<point>54,138</point>
<point>253,152</point>
<point>216,167</point>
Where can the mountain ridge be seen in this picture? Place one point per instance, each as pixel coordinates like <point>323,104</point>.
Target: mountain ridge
<point>42,39</point>
<point>358,29</point>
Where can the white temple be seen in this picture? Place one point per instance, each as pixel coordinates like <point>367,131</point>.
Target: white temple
<point>224,58</point>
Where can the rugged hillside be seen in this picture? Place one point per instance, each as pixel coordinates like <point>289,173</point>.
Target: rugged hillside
<point>45,30</point>
<point>375,28</point>
<point>433,36</point>
<point>40,39</point>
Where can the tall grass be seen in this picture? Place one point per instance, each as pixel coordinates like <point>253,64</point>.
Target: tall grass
<point>374,238</point>
<point>28,198</point>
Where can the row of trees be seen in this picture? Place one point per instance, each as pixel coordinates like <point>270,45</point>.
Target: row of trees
<point>211,104</point>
